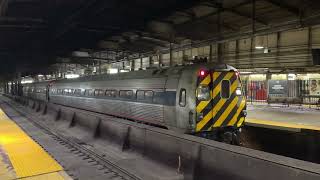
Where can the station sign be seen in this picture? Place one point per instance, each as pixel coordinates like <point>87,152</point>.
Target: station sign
<point>278,87</point>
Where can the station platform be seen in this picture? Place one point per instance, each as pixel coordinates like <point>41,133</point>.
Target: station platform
<point>22,158</point>
<point>283,118</point>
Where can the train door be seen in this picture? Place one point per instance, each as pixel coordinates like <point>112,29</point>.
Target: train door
<point>47,93</point>
<point>224,98</point>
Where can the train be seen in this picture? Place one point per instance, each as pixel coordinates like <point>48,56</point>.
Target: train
<point>200,99</point>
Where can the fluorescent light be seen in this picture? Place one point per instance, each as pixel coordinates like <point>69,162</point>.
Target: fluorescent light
<point>72,76</point>
<point>113,71</point>
<point>26,81</point>
<point>245,72</point>
<point>124,70</point>
<point>259,47</point>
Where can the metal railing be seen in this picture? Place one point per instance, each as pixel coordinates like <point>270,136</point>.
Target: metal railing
<point>284,92</point>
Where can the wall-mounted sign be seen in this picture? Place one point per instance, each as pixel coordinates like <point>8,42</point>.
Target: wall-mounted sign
<point>278,87</point>
<point>314,87</point>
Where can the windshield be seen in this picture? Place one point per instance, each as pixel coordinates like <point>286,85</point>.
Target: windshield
<point>203,93</point>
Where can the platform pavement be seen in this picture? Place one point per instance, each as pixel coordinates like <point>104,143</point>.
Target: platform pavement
<point>283,117</point>
<point>22,158</point>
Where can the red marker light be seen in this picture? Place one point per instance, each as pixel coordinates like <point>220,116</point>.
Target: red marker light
<point>202,73</point>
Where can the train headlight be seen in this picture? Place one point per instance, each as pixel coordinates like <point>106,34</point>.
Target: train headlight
<point>244,113</point>
<point>238,92</point>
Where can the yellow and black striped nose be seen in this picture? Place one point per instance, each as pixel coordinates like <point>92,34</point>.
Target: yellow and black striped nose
<point>220,111</point>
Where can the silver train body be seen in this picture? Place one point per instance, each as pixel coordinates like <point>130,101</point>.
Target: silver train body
<point>162,97</point>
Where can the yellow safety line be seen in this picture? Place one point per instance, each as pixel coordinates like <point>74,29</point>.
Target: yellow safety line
<point>27,158</point>
<point>280,124</point>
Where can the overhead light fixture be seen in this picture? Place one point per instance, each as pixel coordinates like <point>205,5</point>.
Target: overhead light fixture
<point>113,71</point>
<point>72,76</point>
<point>26,80</point>
<point>124,70</point>
<point>246,72</point>
<point>259,47</point>
<point>80,54</point>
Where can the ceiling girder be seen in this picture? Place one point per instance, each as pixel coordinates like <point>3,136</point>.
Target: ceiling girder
<point>234,11</point>
<point>285,6</point>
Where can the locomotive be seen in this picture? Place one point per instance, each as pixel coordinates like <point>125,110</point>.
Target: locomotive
<point>200,99</point>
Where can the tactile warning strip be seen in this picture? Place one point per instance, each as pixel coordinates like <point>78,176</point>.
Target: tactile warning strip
<point>27,159</point>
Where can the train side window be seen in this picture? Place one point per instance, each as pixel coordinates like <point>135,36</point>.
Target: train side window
<point>108,93</point>
<point>182,97</point>
<point>114,93</point>
<point>77,92</point>
<point>225,89</point>
<point>140,95</point>
<point>65,91</point>
<point>148,95</point>
<point>111,93</point>
<point>89,92</point>
<point>101,92</point>
<point>127,94</point>
<point>203,93</point>
<point>96,92</point>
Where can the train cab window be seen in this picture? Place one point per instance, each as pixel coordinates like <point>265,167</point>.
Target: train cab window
<point>127,94</point>
<point>203,93</point>
<point>225,89</point>
<point>182,97</point>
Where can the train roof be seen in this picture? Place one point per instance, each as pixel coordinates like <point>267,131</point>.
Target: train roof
<point>149,73</point>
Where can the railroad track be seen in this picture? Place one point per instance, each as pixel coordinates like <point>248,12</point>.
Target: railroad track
<point>113,171</point>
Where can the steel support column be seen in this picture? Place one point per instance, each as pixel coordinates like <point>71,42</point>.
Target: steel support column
<point>219,28</point>
<point>170,54</point>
